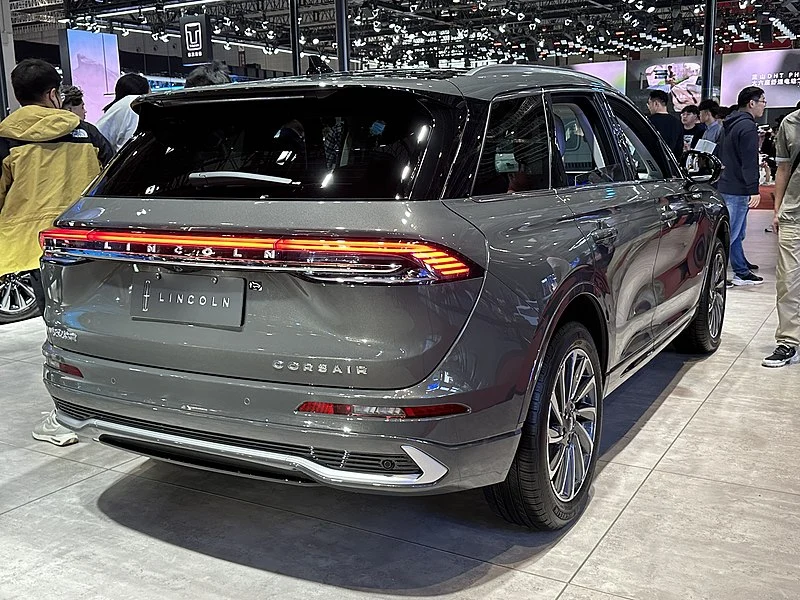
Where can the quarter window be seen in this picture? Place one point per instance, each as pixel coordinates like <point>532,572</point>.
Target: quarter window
<point>516,154</point>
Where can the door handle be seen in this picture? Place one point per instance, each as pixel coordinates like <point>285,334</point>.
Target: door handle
<point>604,235</point>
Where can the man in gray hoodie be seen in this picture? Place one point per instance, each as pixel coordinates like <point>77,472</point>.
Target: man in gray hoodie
<point>740,177</point>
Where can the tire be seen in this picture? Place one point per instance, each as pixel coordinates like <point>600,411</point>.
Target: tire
<point>528,496</point>
<point>17,297</point>
<point>704,332</point>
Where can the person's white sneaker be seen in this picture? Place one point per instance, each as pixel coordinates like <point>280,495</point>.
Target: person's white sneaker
<point>783,355</point>
<point>50,431</point>
<point>748,279</point>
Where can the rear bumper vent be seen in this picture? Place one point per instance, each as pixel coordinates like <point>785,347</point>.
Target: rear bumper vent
<point>384,464</point>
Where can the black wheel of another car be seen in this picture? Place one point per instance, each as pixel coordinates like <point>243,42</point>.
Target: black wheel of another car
<point>547,486</point>
<point>17,297</point>
<point>704,333</point>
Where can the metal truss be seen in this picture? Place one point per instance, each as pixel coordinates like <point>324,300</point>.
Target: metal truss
<point>39,17</point>
<point>23,30</point>
<point>26,5</point>
<point>506,23</point>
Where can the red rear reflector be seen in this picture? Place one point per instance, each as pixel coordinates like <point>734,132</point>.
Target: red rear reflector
<point>63,367</point>
<point>324,408</point>
<point>390,261</point>
<point>70,370</point>
<point>437,410</point>
<point>383,412</point>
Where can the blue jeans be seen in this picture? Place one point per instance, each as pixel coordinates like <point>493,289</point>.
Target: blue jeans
<point>738,207</point>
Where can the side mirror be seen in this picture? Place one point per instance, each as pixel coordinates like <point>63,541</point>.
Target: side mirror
<point>700,167</point>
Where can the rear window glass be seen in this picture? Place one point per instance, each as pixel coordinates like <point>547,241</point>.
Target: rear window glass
<point>360,144</point>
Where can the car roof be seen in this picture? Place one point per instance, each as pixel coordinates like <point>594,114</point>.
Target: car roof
<point>487,82</point>
<point>482,83</point>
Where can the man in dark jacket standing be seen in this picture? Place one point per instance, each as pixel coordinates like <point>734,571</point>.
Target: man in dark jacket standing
<point>740,178</point>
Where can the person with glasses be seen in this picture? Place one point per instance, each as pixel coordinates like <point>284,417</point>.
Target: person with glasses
<point>739,183</point>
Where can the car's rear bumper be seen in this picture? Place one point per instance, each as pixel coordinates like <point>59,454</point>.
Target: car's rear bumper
<point>369,455</point>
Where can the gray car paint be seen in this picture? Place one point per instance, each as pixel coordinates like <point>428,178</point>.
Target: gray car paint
<point>538,256</point>
<point>399,333</point>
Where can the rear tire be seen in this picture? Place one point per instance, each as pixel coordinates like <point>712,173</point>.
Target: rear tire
<point>704,334</point>
<point>536,493</point>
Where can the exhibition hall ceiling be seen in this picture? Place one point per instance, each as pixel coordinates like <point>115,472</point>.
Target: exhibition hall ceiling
<point>423,32</point>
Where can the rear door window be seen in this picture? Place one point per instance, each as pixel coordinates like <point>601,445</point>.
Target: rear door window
<point>585,155</point>
<point>350,144</point>
<point>516,153</point>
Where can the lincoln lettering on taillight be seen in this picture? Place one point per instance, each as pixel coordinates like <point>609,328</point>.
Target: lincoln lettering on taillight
<point>334,260</point>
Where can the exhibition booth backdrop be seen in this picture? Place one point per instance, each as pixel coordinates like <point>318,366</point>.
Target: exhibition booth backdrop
<point>91,62</point>
<point>681,78</point>
<point>777,71</point>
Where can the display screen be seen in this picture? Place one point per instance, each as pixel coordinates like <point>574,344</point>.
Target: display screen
<point>613,73</point>
<point>777,71</point>
<point>93,66</point>
<point>680,79</point>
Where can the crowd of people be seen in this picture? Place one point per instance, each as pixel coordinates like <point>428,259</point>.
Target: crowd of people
<point>750,155</point>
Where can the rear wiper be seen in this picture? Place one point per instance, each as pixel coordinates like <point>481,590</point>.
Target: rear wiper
<point>206,177</point>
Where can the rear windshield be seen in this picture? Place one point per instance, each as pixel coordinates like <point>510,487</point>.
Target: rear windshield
<point>348,143</point>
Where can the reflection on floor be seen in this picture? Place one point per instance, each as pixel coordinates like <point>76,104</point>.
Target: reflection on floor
<point>698,497</point>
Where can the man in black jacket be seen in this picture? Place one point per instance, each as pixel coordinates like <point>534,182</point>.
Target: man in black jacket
<point>740,178</point>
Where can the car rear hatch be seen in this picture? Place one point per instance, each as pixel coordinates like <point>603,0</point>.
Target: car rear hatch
<point>294,237</point>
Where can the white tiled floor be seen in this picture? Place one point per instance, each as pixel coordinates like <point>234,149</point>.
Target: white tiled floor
<point>698,497</point>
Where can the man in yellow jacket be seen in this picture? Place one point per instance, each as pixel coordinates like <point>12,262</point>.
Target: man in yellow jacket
<point>48,156</point>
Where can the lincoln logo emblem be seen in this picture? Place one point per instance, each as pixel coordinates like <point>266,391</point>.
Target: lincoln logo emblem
<point>194,38</point>
<point>146,296</point>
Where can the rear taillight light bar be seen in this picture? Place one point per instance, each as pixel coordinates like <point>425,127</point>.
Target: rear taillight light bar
<point>350,260</point>
<point>383,412</point>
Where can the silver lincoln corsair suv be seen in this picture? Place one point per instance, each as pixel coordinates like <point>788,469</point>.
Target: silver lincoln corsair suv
<point>394,282</point>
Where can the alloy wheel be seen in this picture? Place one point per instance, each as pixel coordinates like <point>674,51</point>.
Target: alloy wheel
<point>716,296</point>
<point>572,424</point>
<point>16,294</point>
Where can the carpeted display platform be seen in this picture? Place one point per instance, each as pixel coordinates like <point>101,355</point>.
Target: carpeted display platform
<point>767,197</point>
